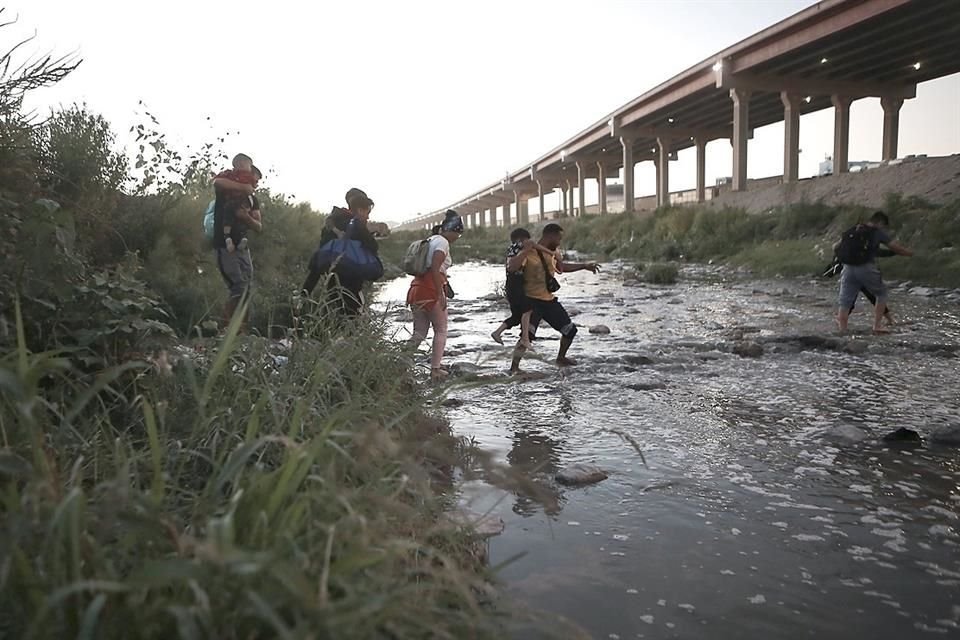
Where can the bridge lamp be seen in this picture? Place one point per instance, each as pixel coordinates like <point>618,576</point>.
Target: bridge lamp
<point>670,120</point>
<point>916,66</point>
<point>808,99</point>
<point>718,66</point>
<point>824,60</point>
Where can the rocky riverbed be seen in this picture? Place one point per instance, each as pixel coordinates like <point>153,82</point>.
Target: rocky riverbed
<point>750,491</point>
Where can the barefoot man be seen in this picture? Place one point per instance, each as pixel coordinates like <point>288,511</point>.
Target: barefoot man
<point>539,284</point>
<point>858,252</point>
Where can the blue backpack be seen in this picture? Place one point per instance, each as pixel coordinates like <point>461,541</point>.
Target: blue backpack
<point>208,220</point>
<point>347,258</point>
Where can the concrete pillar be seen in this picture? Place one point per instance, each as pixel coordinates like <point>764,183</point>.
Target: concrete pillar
<point>570,205</point>
<point>506,214</point>
<point>581,187</point>
<point>663,172</point>
<point>701,170</point>
<point>492,216</point>
<point>602,188</point>
<point>891,126</point>
<point>520,201</point>
<point>791,136</point>
<point>563,197</point>
<point>741,129</point>
<point>627,144</point>
<point>542,193</point>
<point>841,133</point>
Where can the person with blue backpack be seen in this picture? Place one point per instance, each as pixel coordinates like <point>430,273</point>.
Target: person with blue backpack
<point>857,252</point>
<point>347,256</point>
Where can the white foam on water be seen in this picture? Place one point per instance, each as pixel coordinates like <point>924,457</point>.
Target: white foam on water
<point>647,619</point>
<point>689,608</point>
<point>782,525</point>
<point>727,572</point>
<point>757,599</point>
<point>807,537</point>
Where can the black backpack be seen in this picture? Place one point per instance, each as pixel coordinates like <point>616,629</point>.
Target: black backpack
<point>855,244</point>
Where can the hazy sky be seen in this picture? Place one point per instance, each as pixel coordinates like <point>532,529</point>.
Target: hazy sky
<point>422,102</point>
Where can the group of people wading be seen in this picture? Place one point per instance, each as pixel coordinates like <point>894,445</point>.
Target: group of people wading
<point>531,283</point>
<point>531,267</point>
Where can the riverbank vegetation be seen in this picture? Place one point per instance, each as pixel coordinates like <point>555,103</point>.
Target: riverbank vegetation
<point>156,484</point>
<point>795,240</point>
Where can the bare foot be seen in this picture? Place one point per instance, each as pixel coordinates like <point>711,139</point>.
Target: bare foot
<point>496,337</point>
<point>438,375</point>
<point>880,331</point>
<point>566,362</point>
<point>515,371</point>
<point>526,344</point>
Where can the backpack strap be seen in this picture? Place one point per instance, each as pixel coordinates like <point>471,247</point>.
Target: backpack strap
<point>546,270</point>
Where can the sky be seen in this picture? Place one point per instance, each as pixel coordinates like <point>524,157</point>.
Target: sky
<point>422,103</point>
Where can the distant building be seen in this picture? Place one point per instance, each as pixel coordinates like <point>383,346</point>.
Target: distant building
<point>826,167</point>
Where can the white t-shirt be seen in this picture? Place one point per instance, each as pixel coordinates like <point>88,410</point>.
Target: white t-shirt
<point>439,243</point>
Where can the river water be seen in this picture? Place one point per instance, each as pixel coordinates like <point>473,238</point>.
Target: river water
<point>758,513</point>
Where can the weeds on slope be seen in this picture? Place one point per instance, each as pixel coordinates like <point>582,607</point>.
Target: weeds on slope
<point>252,492</point>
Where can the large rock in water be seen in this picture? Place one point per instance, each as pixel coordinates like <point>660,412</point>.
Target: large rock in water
<point>949,434</point>
<point>581,474</point>
<point>600,329</point>
<point>902,435</point>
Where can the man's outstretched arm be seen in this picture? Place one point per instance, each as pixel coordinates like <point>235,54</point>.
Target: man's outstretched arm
<point>570,267</point>
<point>899,249</point>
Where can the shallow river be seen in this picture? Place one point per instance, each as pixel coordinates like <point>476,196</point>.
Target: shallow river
<point>752,518</point>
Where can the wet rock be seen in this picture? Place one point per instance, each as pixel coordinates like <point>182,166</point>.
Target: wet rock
<point>573,313</point>
<point>459,319</point>
<point>600,330</point>
<point>925,292</point>
<point>847,433</point>
<point>483,525</point>
<point>581,474</point>
<point>902,435</point>
<point>637,360</point>
<point>748,349</point>
<point>949,434</point>
<point>452,403</point>
<point>491,297</point>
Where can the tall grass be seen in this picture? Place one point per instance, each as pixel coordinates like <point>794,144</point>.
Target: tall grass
<point>256,492</point>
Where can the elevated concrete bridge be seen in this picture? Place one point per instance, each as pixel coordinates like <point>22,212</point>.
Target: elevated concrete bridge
<point>828,55</point>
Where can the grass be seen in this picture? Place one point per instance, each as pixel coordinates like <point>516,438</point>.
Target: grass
<point>795,240</point>
<point>235,492</point>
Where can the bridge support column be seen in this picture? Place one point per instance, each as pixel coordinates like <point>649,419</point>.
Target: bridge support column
<point>506,214</point>
<point>602,188</point>
<point>563,203</point>
<point>542,194</point>
<point>701,170</point>
<point>891,126</point>
<point>791,136</point>
<point>627,144</point>
<point>663,172</point>
<point>520,200</point>
<point>841,134</point>
<point>741,132</point>
<point>581,188</point>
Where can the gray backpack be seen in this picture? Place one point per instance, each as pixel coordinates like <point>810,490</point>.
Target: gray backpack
<point>416,260</point>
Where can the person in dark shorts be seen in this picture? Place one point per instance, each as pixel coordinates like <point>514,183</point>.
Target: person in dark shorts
<point>520,307</point>
<point>539,284</point>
